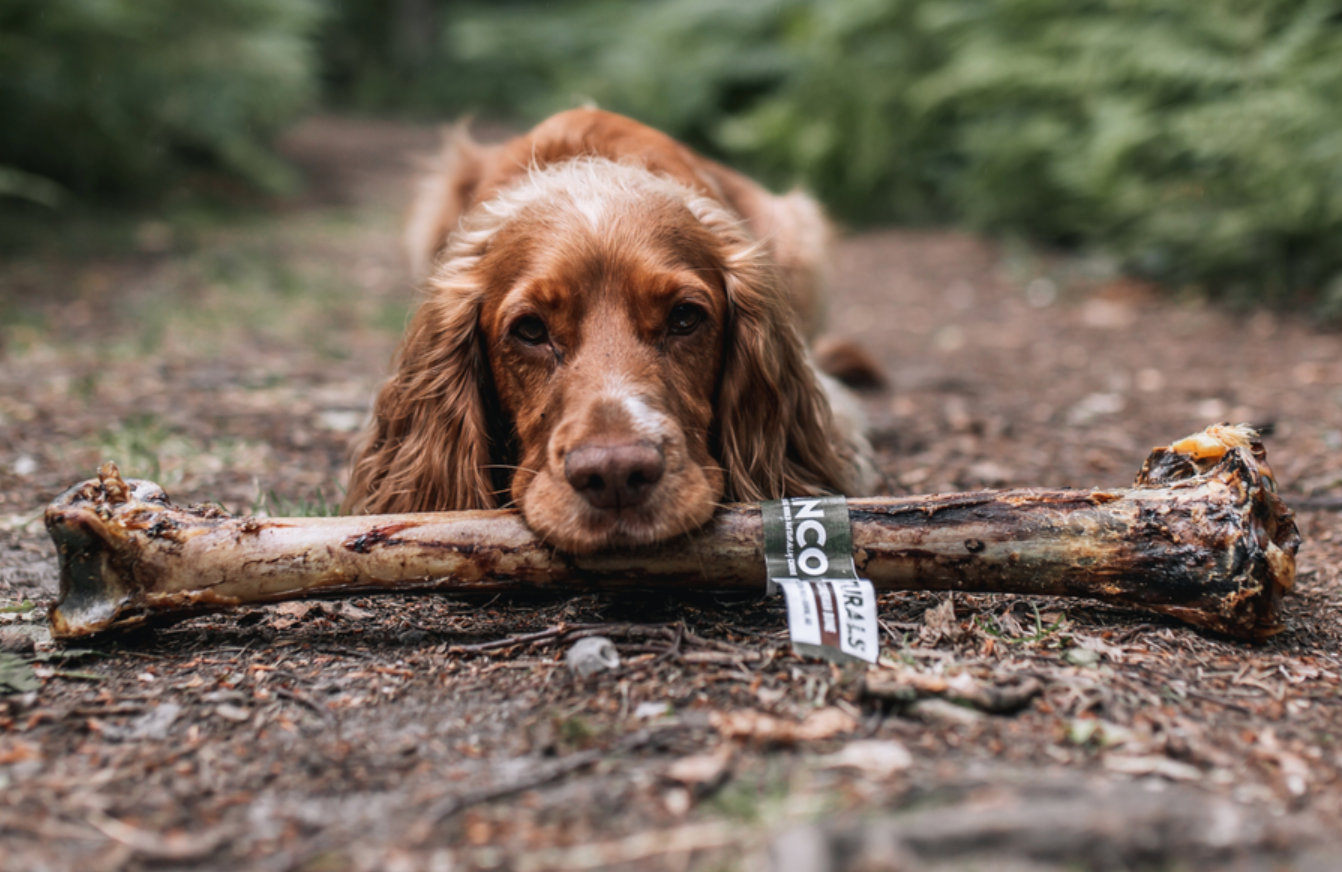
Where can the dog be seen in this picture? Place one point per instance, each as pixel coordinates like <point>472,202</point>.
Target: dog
<point>613,338</point>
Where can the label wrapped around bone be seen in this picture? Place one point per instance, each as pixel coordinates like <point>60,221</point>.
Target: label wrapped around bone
<point>808,551</point>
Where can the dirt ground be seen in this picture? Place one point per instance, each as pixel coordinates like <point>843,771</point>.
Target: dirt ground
<point>232,360</point>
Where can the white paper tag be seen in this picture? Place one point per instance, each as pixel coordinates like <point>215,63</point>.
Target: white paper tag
<point>832,616</point>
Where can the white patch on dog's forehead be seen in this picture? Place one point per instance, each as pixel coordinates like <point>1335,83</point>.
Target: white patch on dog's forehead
<point>593,208</point>
<point>645,420</point>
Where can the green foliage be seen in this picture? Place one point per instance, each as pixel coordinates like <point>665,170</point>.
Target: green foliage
<point>271,505</point>
<point>373,57</point>
<point>16,676</point>
<point>1199,142</point>
<point>117,96</point>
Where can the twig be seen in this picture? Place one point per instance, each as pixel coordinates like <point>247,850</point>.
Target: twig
<point>575,631</point>
<point>509,642</point>
<point>55,830</point>
<point>722,658</point>
<point>1153,675</point>
<point>726,647</point>
<point>672,650</point>
<point>293,696</point>
<point>106,711</point>
<point>152,846</point>
<point>636,848</point>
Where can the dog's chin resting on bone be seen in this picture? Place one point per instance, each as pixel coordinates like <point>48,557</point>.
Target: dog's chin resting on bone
<point>614,337</point>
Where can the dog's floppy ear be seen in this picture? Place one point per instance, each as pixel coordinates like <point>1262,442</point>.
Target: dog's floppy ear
<point>429,446</point>
<point>773,420</point>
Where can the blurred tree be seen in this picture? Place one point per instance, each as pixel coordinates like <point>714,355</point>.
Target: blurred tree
<point>376,55</point>
<point>120,96</point>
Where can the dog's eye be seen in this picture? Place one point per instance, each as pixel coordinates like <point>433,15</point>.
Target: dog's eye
<point>531,330</point>
<point>684,319</point>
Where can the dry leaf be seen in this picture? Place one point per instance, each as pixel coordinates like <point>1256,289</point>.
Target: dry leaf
<point>825,724</point>
<point>1152,765</point>
<point>1294,773</point>
<point>939,623</point>
<point>901,685</point>
<point>879,758</point>
<point>230,712</point>
<point>937,710</point>
<point>702,772</point>
<point>297,610</point>
<point>906,686</point>
<point>766,729</point>
<point>1099,646</point>
<point>18,752</point>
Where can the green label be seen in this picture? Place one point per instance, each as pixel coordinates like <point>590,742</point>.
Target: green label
<point>807,538</point>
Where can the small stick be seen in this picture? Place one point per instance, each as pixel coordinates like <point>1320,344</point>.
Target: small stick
<point>1202,536</point>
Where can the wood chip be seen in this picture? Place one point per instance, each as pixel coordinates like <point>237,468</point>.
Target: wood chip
<point>1154,764</point>
<point>758,727</point>
<point>230,712</point>
<point>879,758</point>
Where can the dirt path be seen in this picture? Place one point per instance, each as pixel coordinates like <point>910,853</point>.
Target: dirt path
<point>232,361</point>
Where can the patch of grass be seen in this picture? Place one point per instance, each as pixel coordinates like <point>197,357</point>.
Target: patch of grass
<point>272,505</point>
<point>576,732</point>
<point>392,316</point>
<point>754,800</point>
<point>144,446</point>
<point>245,288</point>
<point>22,325</point>
<point>137,444</point>
<point>38,232</point>
<point>199,281</point>
<point>85,387</point>
<point>1041,632</point>
<point>16,675</point>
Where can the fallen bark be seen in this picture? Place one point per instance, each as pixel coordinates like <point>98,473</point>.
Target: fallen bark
<point>1201,536</point>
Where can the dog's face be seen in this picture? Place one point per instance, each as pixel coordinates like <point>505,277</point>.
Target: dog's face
<point>603,324</point>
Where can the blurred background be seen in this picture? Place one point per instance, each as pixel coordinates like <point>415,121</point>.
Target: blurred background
<point>1197,144</point>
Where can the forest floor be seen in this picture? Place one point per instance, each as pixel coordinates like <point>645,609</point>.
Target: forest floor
<point>232,360</point>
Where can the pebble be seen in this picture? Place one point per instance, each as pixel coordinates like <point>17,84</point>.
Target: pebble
<point>235,713</point>
<point>936,710</point>
<point>592,655</point>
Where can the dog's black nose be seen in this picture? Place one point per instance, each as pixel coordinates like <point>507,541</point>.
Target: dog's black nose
<point>615,476</point>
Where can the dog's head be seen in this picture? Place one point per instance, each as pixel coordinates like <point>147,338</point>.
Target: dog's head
<point>608,349</point>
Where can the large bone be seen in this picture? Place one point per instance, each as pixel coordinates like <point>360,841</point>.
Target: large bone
<point>1202,536</point>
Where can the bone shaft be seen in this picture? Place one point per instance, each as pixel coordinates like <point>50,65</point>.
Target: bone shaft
<point>1102,545</point>
<point>1178,551</point>
<point>1037,543</point>
<point>482,551</point>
